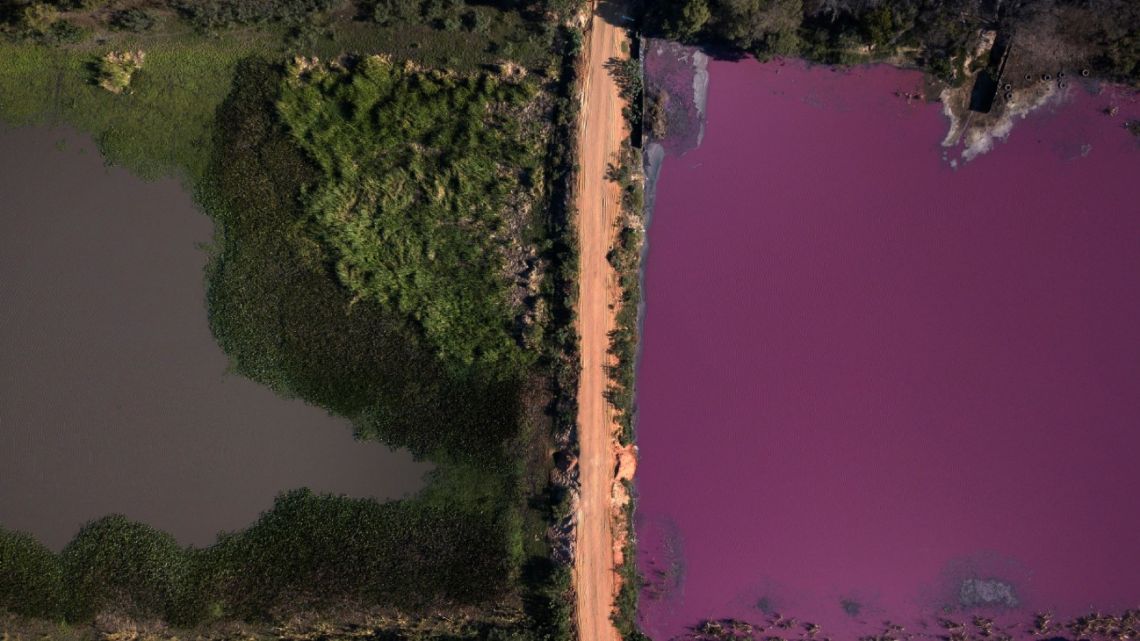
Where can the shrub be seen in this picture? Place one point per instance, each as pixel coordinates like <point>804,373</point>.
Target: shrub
<point>391,11</point>
<point>133,19</point>
<point>450,22</point>
<point>115,70</point>
<point>681,20</point>
<point>39,17</point>
<point>323,549</point>
<point>418,174</point>
<point>221,14</point>
<point>63,32</point>
<point>115,563</point>
<point>280,313</point>
<point>438,9</point>
<point>1121,58</point>
<point>476,21</point>
<point>31,579</point>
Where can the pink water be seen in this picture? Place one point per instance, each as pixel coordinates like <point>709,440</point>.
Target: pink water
<point>868,377</point>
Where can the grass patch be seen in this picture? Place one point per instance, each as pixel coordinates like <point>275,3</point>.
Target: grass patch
<point>115,70</point>
<point>163,126</point>
<point>280,313</point>
<point>307,552</point>
<point>505,36</point>
<point>417,172</point>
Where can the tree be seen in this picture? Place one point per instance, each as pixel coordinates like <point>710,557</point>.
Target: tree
<point>86,5</point>
<point>31,580</point>
<point>39,17</point>
<point>115,562</point>
<point>691,18</point>
<point>759,25</point>
<point>880,26</point>
<point>133,19</point>
<point>387,12</point>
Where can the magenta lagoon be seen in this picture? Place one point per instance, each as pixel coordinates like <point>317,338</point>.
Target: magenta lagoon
<point>878,387</point>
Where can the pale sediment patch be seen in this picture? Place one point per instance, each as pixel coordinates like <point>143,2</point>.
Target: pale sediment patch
<point>654,155</point>
<point>976,132</point>
<point>957,122</point>
<point>674,70</point>
<point>980,140</point>
<point>678,75</point>
<point>700,90</point>
<point>624,471</point>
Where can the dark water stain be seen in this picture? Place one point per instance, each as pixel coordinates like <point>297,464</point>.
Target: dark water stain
<point>851,607</point>
<point>114,396</point>
<point>661,559</point>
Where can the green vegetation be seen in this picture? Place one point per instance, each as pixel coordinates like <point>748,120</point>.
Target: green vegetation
<point>116,563</point>
<point>308,550</point>
<point>162,127</point>
<point>405,554</point>
<point>287,322</point>
<point>625,257</point>
<point>281,311</point>
<point>550,595</point>
<point>563,249</point>
<point>210,15</point>
<point>165,126</point>
<point>38,18</point>
<point>935,35</point>
<point>31,578</point>
<point>132,19</point>
<point>627,73</point>
<point>115,70</point>
<point>421,175</point>
<point>626,260</point>
<point>625,606</point>
<point>392,244</point>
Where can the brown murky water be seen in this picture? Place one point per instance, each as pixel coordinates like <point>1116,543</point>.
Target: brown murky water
<point>114,396</point>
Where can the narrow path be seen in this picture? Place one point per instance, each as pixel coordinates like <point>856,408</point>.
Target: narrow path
<point>601,131</point>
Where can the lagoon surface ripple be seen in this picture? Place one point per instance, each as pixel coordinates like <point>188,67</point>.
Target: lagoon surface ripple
<point>873,386</point>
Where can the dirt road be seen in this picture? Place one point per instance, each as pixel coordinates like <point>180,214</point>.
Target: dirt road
<point>602,129</point>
